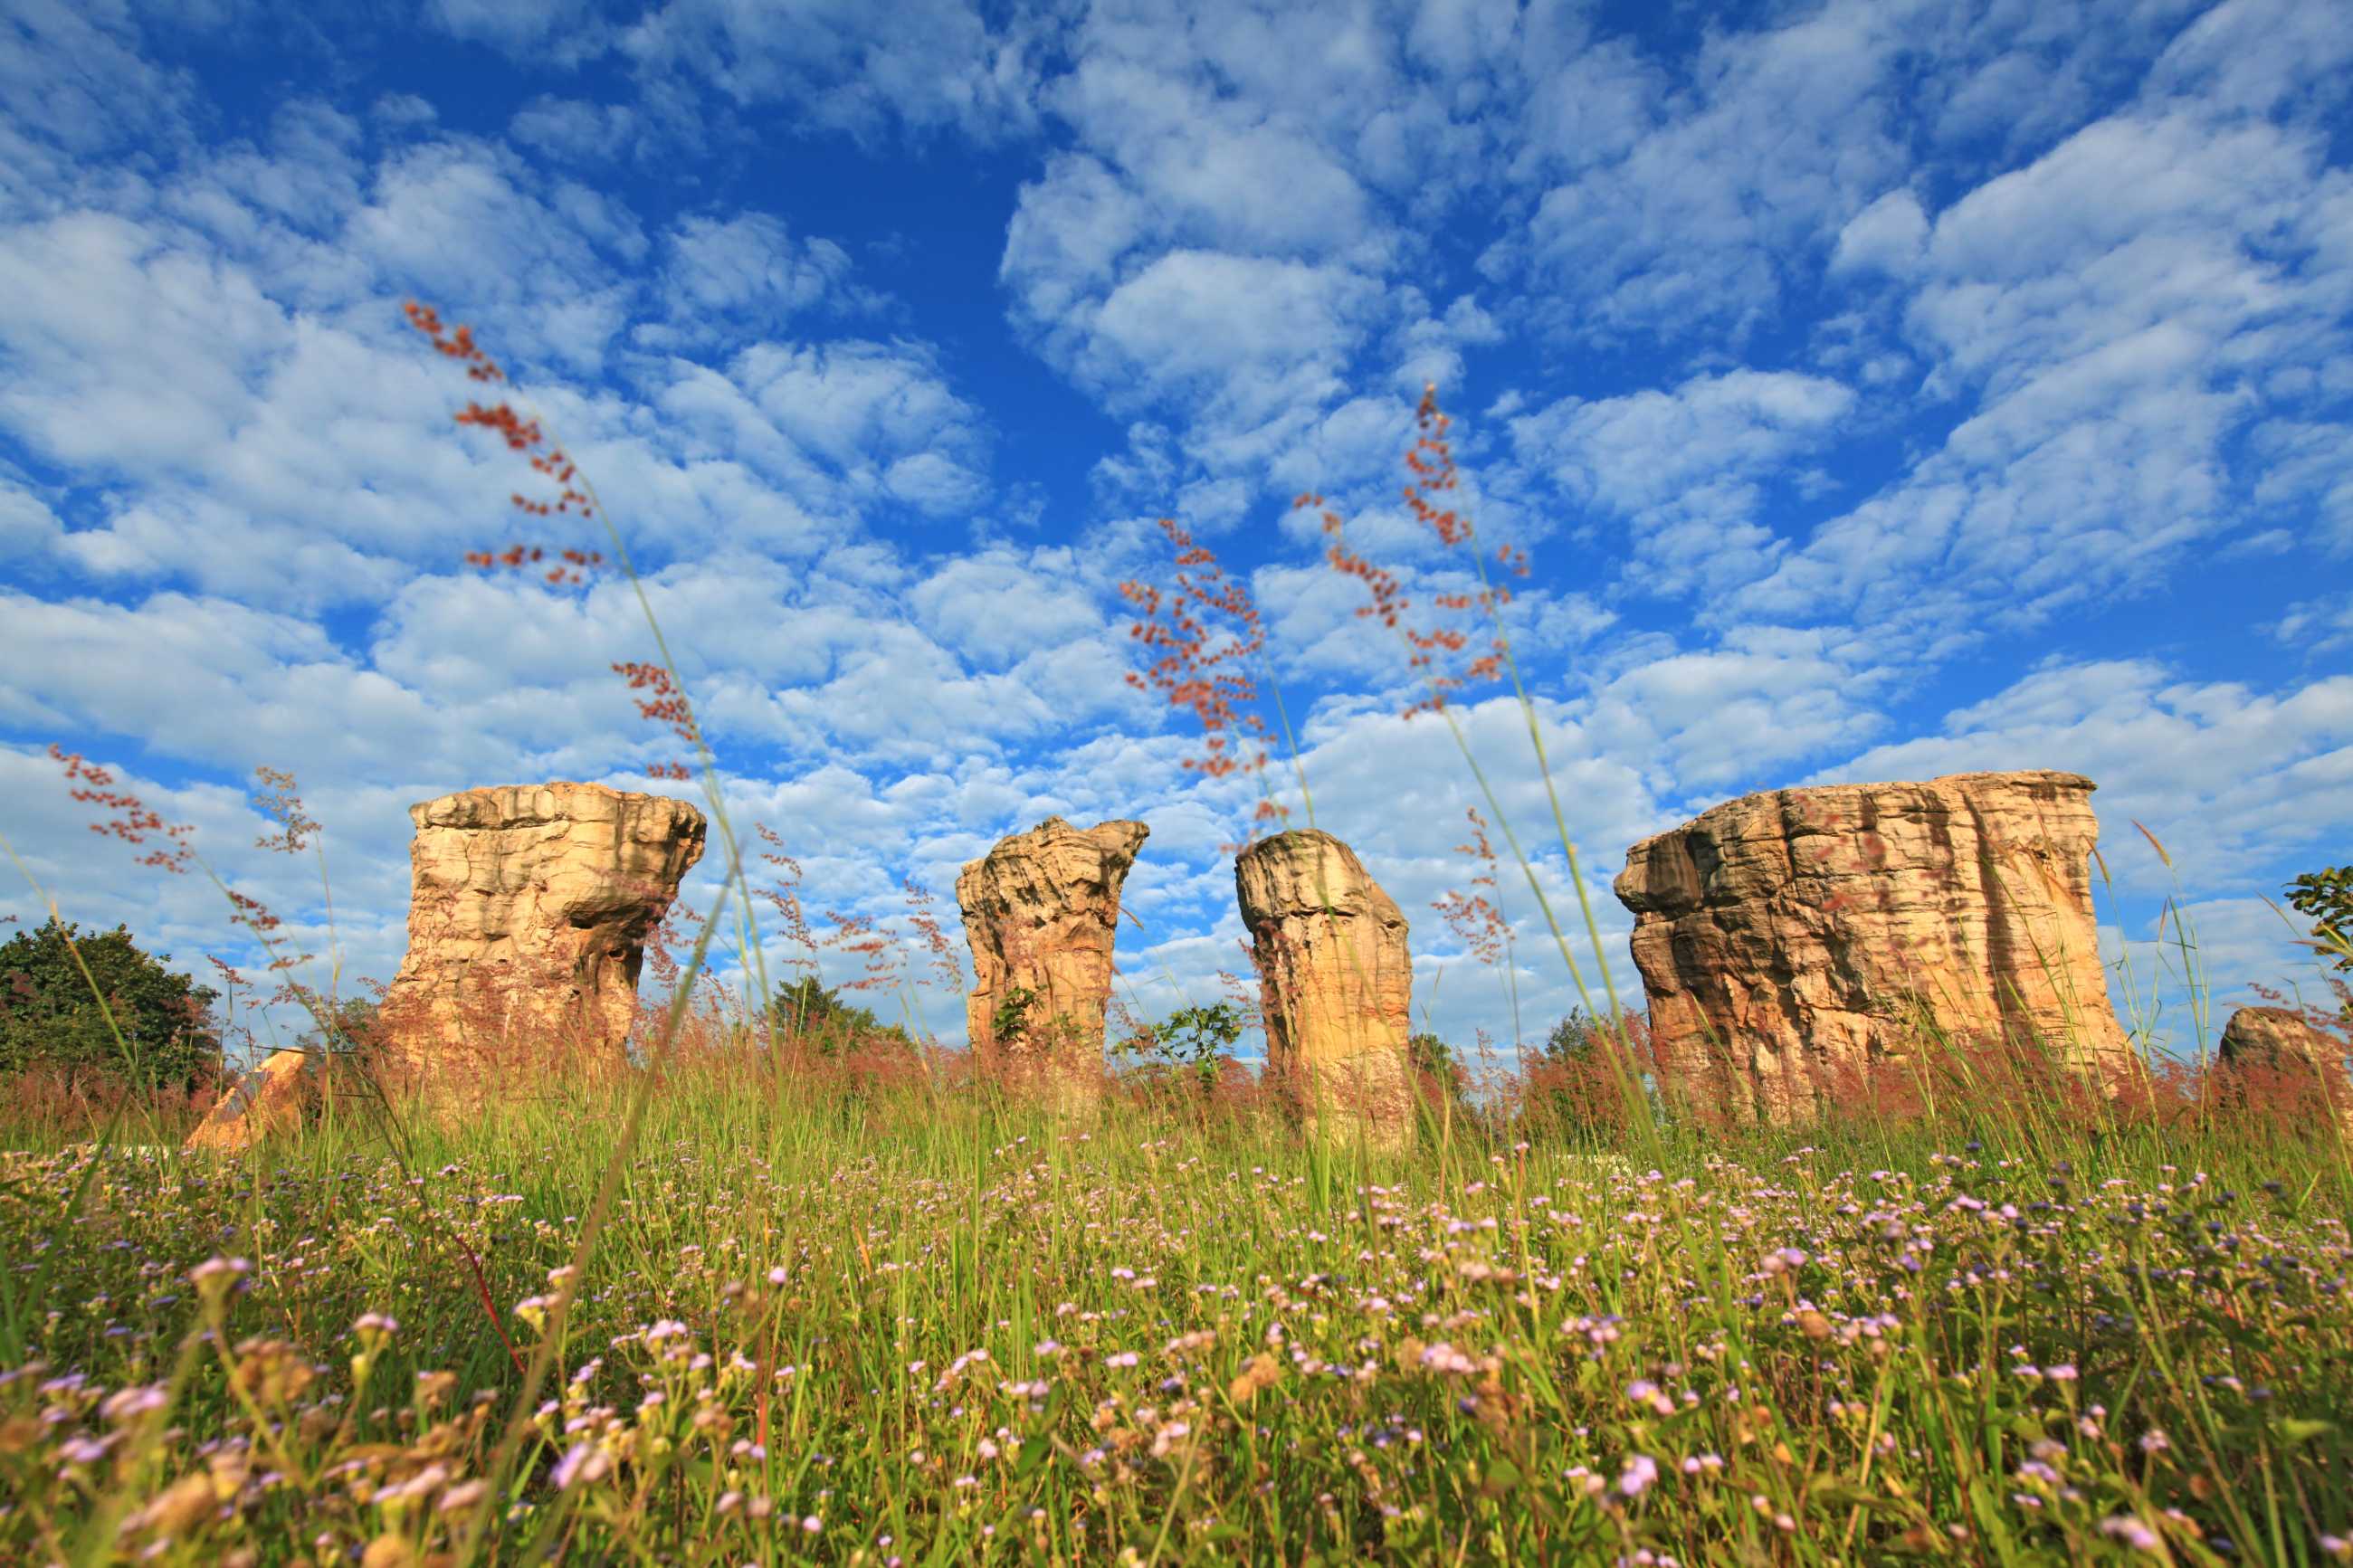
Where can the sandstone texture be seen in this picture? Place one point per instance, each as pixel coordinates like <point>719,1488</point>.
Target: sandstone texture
<point>1039,912</point>
<point>1793,939</point>
<point>2276,1053</point>
<point>529,910</point>
<point>1336,981</point>
<point>269,1099</point>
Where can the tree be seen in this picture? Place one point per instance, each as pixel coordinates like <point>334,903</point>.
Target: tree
<point>49,1018</point>
<point>2327,897</point>
<point>805,1010</point>
<point>1191,1041</point>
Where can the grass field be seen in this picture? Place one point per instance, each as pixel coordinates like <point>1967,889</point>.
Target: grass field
<point>736,1305</point>
<point>911,1324</point>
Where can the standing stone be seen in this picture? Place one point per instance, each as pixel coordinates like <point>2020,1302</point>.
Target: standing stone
<point>2277,1054</point>
<point>1797,938</point>
<point>527,920</point>
<point>1039,912</point>
<point>1335,982</point>
<point>269,1099</point>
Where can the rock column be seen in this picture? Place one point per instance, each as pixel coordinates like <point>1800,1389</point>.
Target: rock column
<point>527,921</point>
<point>1041,910</point>
<point>1335,982</point>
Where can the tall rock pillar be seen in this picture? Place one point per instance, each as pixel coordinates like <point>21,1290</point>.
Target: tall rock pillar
<point>1335,982</point>
<point>1039,912</point>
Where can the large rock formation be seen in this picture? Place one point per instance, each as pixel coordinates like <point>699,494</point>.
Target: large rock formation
<point>1039,912</point>
<point>1336,981</point>
<point>528,916</point>
<point>2276,1056</point>
<point>269,1099</point>
<point>1793,939</point>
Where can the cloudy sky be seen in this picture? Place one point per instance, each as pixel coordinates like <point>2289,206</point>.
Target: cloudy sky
<point>1879,390</point>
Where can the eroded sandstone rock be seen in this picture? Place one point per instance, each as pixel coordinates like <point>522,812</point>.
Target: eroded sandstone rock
<point>269,1099</point>
<point>1336,980</point>
<point>529,910</point>
<point>1794,938</point>
<point>1040,909</point>
<point>2276,1054</point>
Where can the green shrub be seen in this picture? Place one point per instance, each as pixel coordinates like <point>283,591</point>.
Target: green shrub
<point>51,1019</point>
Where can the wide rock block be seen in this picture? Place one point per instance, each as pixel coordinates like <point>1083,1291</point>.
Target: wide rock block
<point>528,916</point>
<point>1336,981</point>
<point>1794,938</point>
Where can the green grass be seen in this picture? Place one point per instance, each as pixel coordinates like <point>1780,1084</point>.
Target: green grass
<point>811,1305</point>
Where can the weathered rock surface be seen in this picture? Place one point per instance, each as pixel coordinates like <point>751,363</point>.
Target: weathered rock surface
<point>1793,937</point>
<point>529,910</point>
<point>1336,980</point>
<point>269,1099</point>
<point>1040,909</point>
<point>2298,1063</point>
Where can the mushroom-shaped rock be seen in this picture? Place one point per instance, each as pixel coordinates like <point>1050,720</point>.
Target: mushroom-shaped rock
<point>1794,939</point>
<point>528,915</point>
<point>1336,981</point>
<point>1041,910</point>
<point>2278,1055</point>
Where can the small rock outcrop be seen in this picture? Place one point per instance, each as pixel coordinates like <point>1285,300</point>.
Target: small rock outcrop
<point>1041,910</point>
<point>2277,1055</point>
<point>1336,981</point>
<point>528,909</point>
<point>269,1099</point>
<point>1793,937</point>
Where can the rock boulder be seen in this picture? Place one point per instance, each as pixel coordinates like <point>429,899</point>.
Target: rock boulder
<point>2279,1056</point>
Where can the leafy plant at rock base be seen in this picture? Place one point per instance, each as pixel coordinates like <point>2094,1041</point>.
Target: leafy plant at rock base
<point>49,1018</point>
<point>1011,1022</point>
<point>1191,1043</point>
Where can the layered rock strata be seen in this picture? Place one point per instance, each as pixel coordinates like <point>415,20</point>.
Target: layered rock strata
<point>270,1098</point>
<point>1041,910</point>
<point>1796,941</point>
<point>529,910</point>
<point>2277,1055</point>
<point>1335,982</point>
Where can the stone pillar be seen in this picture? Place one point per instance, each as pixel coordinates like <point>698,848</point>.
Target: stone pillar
<point>1794,939</point>
<point>1041,910</point>
<point>528,916</point>
<point>1336,982</point>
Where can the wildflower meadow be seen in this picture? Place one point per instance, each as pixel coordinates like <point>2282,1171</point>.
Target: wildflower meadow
<point>798,1285</point>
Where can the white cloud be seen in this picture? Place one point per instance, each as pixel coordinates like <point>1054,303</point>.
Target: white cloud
<point>1888,235</point>
<point>1688,467</point>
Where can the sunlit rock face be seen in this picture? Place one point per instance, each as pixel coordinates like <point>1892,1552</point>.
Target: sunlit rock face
<point>2276,1056</point>
<point>1041,910</point>
<point>270,1098</point>
<point>528,909</point>
<point>1793,940</point>
<point>1335,982</point>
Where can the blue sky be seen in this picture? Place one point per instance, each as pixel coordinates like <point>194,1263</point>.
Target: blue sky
<point>1880,390</point>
